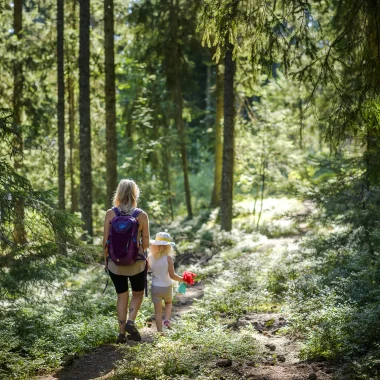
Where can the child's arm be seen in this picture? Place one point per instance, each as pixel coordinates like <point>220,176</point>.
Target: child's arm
<point>172,274</point>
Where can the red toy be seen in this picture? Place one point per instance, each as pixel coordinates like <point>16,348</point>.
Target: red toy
<point>188,277</point>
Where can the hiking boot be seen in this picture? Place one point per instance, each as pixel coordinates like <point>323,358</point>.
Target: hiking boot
<point>131,329</point>
<point>121,339</point>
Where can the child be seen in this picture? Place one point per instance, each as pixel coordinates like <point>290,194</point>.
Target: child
<point>161,265</point>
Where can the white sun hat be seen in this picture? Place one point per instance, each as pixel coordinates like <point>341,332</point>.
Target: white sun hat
<point>162,238</point>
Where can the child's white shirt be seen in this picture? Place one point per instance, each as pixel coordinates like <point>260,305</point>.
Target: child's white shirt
<point>160,271</point>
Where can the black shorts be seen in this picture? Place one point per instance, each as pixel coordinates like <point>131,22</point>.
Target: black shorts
<point>121,282</point>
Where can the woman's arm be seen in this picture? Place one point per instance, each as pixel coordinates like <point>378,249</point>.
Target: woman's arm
<point>147,260</point>
<point>107,219</point>
<point>144,221</point>
<point>172,274</point>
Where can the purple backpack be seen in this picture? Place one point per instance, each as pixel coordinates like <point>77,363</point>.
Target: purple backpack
<point>123,245</point>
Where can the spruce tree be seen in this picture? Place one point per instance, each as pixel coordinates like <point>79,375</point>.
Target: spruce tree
<point>84,117</point>
<point>61,104</point>
<point>110,100</point>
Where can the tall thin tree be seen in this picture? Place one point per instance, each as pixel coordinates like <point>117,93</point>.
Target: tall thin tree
<point>178,100</point>
<point>216,193</point>
<point>18,84</point>
<point>61,104</point>
<point>229,139</point>
<point>111,144</point>
<point>71,87</point>
<point>84,117</point>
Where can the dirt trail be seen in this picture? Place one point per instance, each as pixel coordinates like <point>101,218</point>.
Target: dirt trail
<point>279,355</point>
<point>100,363</point>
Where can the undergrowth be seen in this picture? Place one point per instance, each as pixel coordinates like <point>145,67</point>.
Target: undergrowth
<point>41,334</point>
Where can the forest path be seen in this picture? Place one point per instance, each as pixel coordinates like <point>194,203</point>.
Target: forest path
<point>100,363</point>
<point>278,355</point>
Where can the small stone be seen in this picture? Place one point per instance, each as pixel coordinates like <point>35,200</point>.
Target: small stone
<point>281,358</point>
<point>251,364</point>
<point>271,346</point>
<point>313,376</point>
<point>224,363</point>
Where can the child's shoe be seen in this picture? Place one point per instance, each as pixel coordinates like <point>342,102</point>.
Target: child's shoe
<point>167,323</point>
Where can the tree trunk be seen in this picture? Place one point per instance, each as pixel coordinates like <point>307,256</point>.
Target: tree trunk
<point>178,105</point>
<point>207,119</point>
<point>71,101</point>
<point>70,53</point>
<point>166,163</point>
<point>215,200</point>
<point>18,83</point>
<point>61,104</point>
<point>228,142</point>
<point>111,145</point>
<point>84,117</point>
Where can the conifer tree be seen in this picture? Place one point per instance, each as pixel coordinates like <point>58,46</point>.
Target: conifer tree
<point>216,193</point>
<point>18,84</point>
<point>176,88</point>
<point>110,100</point>
<point>228,140</point>
<point>61,104</point>
<point>71,62</point>
<point>84,117</point>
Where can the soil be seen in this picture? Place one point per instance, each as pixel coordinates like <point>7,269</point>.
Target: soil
<point>279,354</point>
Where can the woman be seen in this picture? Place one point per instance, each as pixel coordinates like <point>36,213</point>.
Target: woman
<point>125,200</point>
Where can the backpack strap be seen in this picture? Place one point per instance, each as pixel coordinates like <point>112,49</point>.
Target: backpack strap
<point>116,211</point>
<point>137,212</point>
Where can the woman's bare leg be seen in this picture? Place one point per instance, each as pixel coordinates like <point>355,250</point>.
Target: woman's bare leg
<point>137,298</point>
<point>121,310</point>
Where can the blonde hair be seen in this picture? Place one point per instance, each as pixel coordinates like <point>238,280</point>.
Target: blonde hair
<point>126,195</point>
<point>158,251</point>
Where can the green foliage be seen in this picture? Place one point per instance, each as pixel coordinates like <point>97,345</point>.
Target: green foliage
<point>265,31</point>
<point>40,335</point>
<point>237,291</point>
<point>53,246</point>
